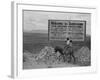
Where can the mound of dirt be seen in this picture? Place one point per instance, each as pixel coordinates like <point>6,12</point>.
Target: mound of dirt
<point>83,56</point>
<point>48,56</point>
<point>26,56</point>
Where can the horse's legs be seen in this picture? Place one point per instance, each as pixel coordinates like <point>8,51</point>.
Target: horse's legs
<point>64,59</point>
<point>65,56</point>
<point>74,58</point>
<point>69,58</point>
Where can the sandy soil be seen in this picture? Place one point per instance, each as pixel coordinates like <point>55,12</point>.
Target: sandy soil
<point>28,65</point>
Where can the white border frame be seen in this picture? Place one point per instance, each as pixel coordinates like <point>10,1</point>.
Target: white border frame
<point>17,68</point>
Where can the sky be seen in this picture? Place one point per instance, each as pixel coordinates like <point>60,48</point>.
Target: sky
<point>38,20</point>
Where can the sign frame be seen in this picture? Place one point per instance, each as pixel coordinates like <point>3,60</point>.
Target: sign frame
<point>84,31</point>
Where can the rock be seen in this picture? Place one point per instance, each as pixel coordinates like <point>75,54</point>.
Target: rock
<point>48,56</point>
<point>26,56</point>
<point>83,56</point>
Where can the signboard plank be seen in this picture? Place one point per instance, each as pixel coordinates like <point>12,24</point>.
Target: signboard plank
<point>62,29</point>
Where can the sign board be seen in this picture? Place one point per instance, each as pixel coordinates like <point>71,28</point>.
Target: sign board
<point>62,29</point>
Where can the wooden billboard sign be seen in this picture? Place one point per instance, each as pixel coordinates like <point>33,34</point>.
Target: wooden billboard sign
<point>62,29</point>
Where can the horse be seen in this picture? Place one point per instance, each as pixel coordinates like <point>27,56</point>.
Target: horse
<point>68,51</point>
<point>65,52</point>
<point>60,50</point>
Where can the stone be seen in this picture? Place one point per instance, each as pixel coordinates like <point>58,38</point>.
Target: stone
<point>83,56</point>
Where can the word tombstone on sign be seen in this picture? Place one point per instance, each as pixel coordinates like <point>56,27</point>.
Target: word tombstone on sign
<point>62,29</point>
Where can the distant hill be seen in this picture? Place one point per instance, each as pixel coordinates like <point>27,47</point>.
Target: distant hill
<point>33,41</point>
<point>34,38</point>
<point>37,31</point>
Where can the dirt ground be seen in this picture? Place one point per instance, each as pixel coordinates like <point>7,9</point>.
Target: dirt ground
<point>30,65</point>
